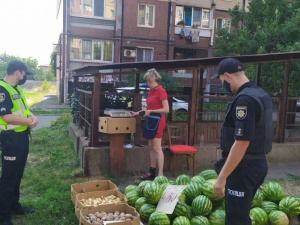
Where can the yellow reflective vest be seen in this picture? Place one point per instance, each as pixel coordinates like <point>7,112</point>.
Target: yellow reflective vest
<point>19,107</point>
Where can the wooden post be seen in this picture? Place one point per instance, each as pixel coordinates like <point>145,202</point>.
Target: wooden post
<point>284,100</point>
<point>192,107</point>
<point>258,72</point>
<point>117,154</point>
<point>94,140</point>
<point>86,114</point>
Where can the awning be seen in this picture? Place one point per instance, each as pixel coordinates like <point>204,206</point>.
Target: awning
<point>194,3</point>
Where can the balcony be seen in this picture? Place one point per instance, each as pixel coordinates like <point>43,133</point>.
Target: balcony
<point>203,32</point>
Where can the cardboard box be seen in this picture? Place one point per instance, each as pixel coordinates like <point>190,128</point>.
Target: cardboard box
<point>79,206</point>
<point>111,209</point>
<point>91,186</point>
<point>111,125</point>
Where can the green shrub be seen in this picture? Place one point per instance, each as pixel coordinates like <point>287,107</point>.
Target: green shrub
<point>46,86</point>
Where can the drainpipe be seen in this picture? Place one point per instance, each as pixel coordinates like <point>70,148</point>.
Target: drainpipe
<point>63,69</point>
<point>121,45</point>
<point>168,30</point>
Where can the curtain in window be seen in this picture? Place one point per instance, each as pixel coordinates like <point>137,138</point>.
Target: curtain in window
<point>97,50</point>
<point>205,18</point>
<point>188,16</point>
<point>141,17</point>
<point>150,15</point>
<point>75,48</point>
<point>197,17</point>
<point>107,51</point>
<point>87,7</point>
<point>86,50</point>
<point>147,55</point>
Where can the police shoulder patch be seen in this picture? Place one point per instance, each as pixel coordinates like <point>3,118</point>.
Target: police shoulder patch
<point>2,97</point>
<point>241,112</point>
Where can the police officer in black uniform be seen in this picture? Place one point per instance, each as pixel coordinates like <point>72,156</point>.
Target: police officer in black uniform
<point>246,137</point>
<point>15,122</point>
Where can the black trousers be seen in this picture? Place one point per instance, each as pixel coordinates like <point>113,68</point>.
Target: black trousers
<point>241,186</point>
<point>15,147</point>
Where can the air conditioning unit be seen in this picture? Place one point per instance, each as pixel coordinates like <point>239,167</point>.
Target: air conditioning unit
<point>129,53</point>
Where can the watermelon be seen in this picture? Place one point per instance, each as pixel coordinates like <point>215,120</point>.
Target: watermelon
<point>269,206</point>
<point>152,192</point>
<point>198,179</point>
<point>208,174</point>
<point>290,206</point>
<point>145,211</point>
<point>192,190</point>
<point>130,188</point>
<point>208,190</point>
<point>132,196</point>
<point>201,205</point>
<point>273,191</point>
<point>259,216</point>
<point>142,186</point>
<point>217,217</point>
<point>182,209</point>
<point>258,198</point>
<point>182,196</point>
<point>172,182</point>
<point>181,220</point>
<point>139,203</point>
<point>161,180</point>
<point>159,218</point>
<point>199,220</point>
<point>277,217</point>
<point>164,186</point>
<point>182,179</point>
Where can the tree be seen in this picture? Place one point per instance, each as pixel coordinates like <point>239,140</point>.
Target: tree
<point>268,26</point>
<point>32,64</point>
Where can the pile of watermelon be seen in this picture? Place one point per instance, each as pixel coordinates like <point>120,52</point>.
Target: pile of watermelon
<point>199,205</point>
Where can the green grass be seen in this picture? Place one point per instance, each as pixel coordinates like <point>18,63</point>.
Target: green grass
<point>36,95</point>
<point>46,112</point>
<point>51,168</point>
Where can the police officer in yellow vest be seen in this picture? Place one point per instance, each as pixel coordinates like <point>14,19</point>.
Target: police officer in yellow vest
<point>15,123</point>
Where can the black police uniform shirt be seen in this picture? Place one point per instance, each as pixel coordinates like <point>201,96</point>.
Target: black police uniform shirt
<point>6,103</point>
<point>245,113</point>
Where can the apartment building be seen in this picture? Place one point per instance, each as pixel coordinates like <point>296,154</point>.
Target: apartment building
<point>112,31</point>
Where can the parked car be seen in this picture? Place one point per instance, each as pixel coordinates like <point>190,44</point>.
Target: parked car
<point>178,105</point>
<point>298,106</point>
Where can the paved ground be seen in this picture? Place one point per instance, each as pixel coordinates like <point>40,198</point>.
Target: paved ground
<point>49,103</point>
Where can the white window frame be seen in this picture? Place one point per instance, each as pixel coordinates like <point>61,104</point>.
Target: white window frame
<point>224,22</point>
<point>192,16</point>
<point>92,53</point>
<point>149,26</point>
<point>144,48</point>
<point>93,6</point>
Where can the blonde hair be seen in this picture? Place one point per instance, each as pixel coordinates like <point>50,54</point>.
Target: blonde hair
<point>151,75</point>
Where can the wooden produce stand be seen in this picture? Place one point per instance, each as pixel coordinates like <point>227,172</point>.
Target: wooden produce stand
<point>117,127</point>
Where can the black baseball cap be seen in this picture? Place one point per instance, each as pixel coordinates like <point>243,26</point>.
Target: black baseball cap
<point>17,65</point>
<point>229,65</point>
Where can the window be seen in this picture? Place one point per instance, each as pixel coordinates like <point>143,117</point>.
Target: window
<point>91,50</point>
<point>144,55</point>
<point>98,8</point>
<point>146,15</point>
<point>193,16</point>
<point>223,23</point>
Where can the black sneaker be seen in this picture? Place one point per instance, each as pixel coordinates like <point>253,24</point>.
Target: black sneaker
<point>148,176</point>
<point>23,211</point>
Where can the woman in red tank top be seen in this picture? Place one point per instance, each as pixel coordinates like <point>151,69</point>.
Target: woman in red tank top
<point>157,102</point>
